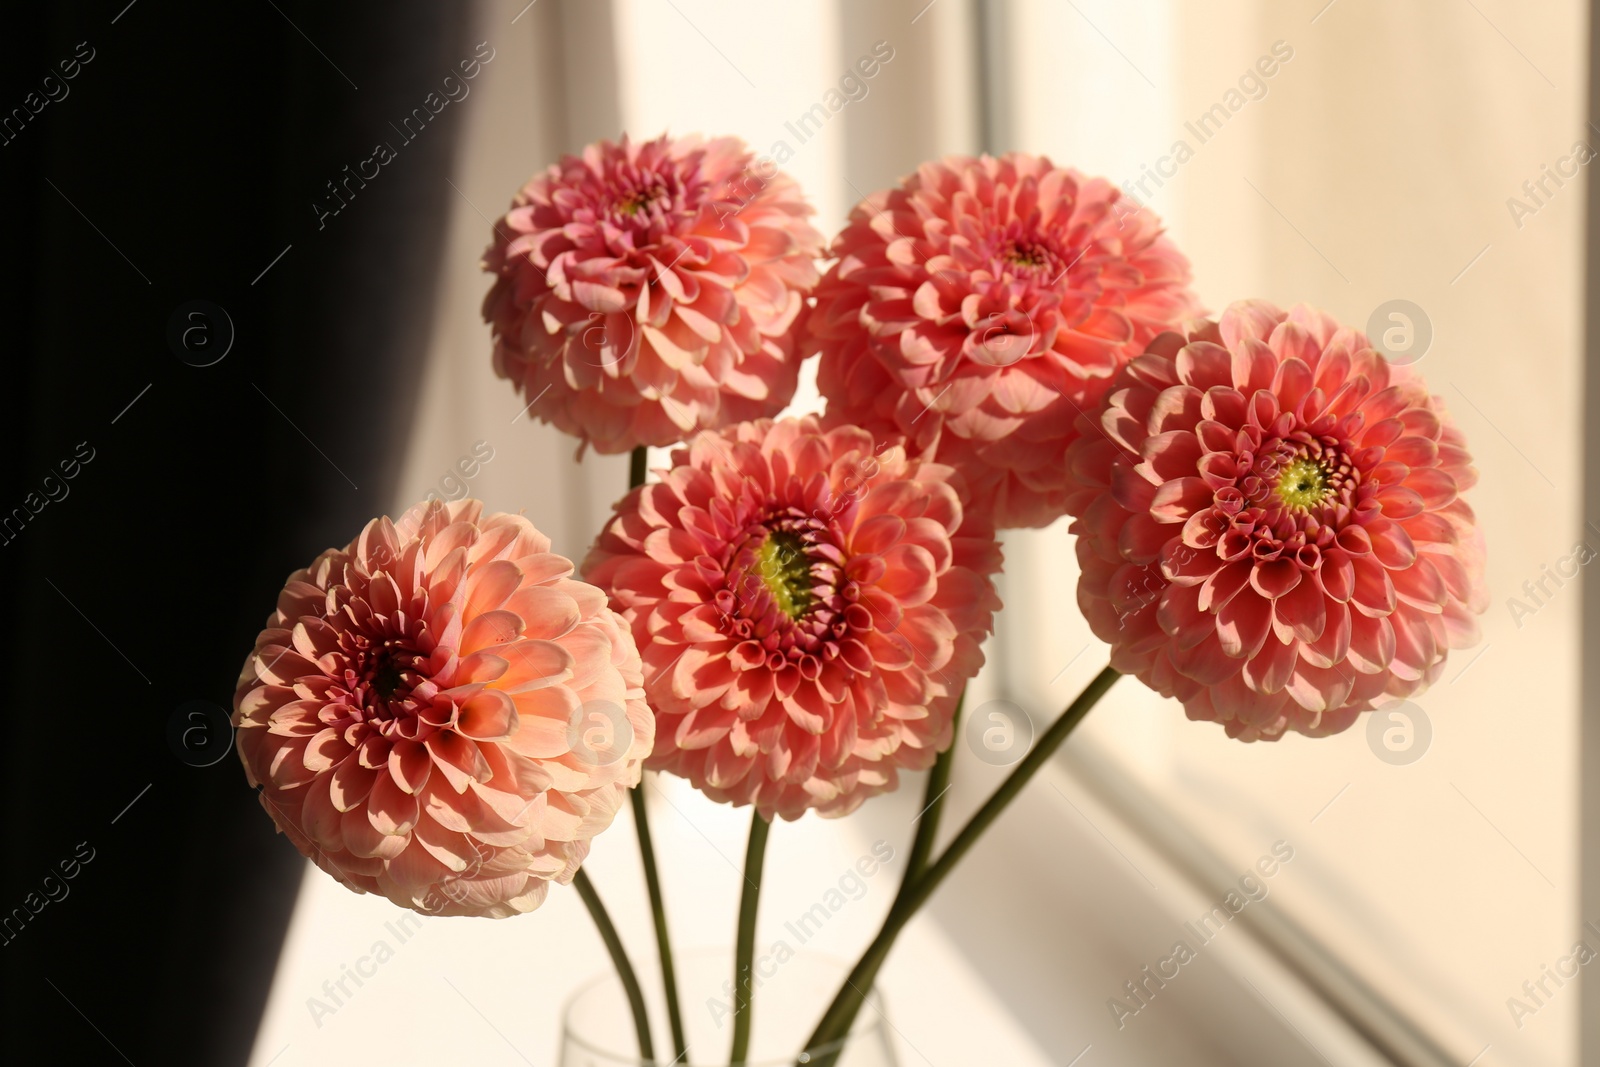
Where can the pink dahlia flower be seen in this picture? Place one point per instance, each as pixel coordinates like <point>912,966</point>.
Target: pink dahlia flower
<point>982,305</point>
<point>439,714</point>
<point>810,604</point>
<point>1270,527</point>
<point>646,291</point>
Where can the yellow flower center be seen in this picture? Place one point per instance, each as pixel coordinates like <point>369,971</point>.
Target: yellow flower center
<point>1304,484</point>
<point>1026,255</point>
<point>784,568</point>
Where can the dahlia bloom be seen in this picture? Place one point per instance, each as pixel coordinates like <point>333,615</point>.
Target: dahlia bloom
<point>981,306</point>
<point>1269,524</point>
<point>810,604</point>
<point>646,291</point>
<point>439,714</point>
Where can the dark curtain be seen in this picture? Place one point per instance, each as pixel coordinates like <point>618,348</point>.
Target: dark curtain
<point>152,155</point>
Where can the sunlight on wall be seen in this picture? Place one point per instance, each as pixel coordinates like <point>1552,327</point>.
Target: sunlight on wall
<point>1375,163</point>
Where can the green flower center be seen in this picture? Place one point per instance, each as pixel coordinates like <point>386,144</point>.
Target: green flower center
<point>785,569</point>
<point>1304,484</point>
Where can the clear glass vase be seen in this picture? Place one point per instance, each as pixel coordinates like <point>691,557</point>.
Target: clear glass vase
<point>791,991</point>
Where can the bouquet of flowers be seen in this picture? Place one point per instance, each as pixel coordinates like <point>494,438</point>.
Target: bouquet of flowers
<point>1268,524</point>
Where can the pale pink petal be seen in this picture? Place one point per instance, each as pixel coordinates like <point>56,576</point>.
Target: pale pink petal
<point>806,622</point>
<point>1324,558</point>
<point>981,305</point>
<point>645,291</point>
<point>399,741</point>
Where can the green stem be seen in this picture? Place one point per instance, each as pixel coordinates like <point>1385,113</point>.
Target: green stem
<point>619,957</point>
<point>637,471</point>
<point>658,911</point>
<point>932,805</point>
<point>841,1014</point>
<point>744,948</point>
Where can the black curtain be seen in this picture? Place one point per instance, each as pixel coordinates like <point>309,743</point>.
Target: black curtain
<point>164,170</point>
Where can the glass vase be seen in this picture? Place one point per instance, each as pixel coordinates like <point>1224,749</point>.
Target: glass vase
<point>791,989</point>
